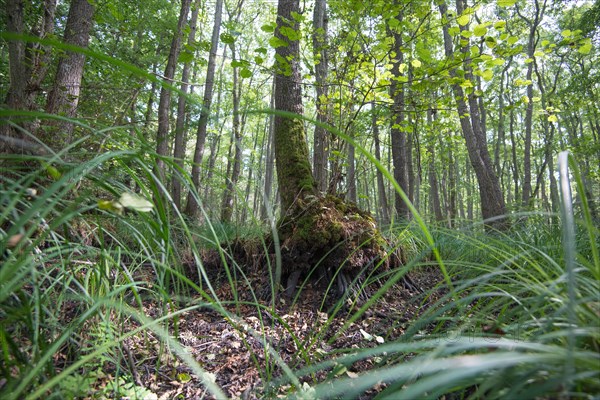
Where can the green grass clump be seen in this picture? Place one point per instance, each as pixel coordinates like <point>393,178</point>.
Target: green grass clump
<point>515,314</point>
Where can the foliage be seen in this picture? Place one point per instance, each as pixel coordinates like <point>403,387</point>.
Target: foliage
<point>89,237</point>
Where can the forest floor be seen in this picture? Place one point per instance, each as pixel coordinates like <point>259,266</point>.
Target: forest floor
<point>232,350</point>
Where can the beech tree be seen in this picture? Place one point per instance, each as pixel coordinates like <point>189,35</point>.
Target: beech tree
<point>63,99</point>
<point>322,232</point>
<point>28,66</point>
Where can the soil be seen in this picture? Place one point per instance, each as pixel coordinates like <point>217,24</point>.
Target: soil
<point>233,350</point>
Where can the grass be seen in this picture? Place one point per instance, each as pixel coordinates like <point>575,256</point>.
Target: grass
<point>520,321</point>
<point>514,315</point>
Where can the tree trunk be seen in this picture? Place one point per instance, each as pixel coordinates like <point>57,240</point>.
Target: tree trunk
<point>314,230</point>
<point>383,203</point>
<point>531,44</point>
<point>294,175</point>
<point>397,131</point>
<point>492,201</point>
<point>321,69</point>
<point>432,176</point>
<point>228,195</point>
<point>351,194</point>
<point>28,66</point>
<point>192,205</point>
<point>180,134</point>
<point>266,210</point>
<point>64,95</point>
<point>164,103</point>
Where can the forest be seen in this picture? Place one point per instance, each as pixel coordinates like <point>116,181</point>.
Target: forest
<point>316,199</point>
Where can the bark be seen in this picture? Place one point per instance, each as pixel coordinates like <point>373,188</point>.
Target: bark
<point>294,174</point>
<point>192,204</point>
<point>180,142</point>
<point>269,164</point>
<point>398,135</point>
<point>531,44</point>
<point>434,193</point>
<point>164,103</point>
<point>383,203</point>
<point>492,201</point>
<point>351,194</point>
<point>321,70</point>
<point>28,66</point>
<point>63,99</point>
<point>236,143</point>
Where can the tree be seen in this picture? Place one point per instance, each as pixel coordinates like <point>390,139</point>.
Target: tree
<point>492,200</point>
<point>64,96</point>
<point>164,104</point>
<point>398,129</point>
<point>180,142</point>
<point>322,232</point>
<point>320,27</point>
<point>28,67</point>
<point>192,204</point>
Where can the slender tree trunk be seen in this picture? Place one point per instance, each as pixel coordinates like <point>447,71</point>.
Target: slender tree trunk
<point>492,201</point>
<point>294,174</point>
<point>164,103</point>
<point>397,131</point>
<point>383,203</point>
<point>63,98</point>
<point>321,70</point>
<point>351,174</point>
<point>28,66</point>
<point>434,193</point>
<point>216,139</point>
<point>531,45</point>
<point>228,196</point>
<point>180,134</point>
<point>269,163</point>
<point>192,205</point>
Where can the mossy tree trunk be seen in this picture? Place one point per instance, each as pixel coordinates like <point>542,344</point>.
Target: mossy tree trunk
<point>321,236</point>
<point>294,174</point>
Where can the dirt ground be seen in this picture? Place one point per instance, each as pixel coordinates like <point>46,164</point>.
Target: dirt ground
<point>233,349</point>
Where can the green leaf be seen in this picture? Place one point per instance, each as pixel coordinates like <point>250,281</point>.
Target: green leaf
<point>463,20</point>
<point>499,25</point>
<point>566,33</point>
<point>506,3</point>
<point>259,60</point>
<point>490,42</point>
<point>480,30</point>
<point>488,74</point>
<point>112,206</point>
<point>298,17</point>
<point>512,40</point>
<point>52,172</point>
<point>552,118</point>
<point>453,31</point>
<point>290,33</point>
<point>261,50</point>
<point>135,202</point>
<point>416,63</point>
<point>186,57</point>
<point>275,42</point>
<point>585,49</point>
<point>227,38</point>
<point>245,73</point>
<point>269,28</point>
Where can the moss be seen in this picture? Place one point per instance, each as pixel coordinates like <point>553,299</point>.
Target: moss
<point>331,227</point>
<point>294,173</point>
